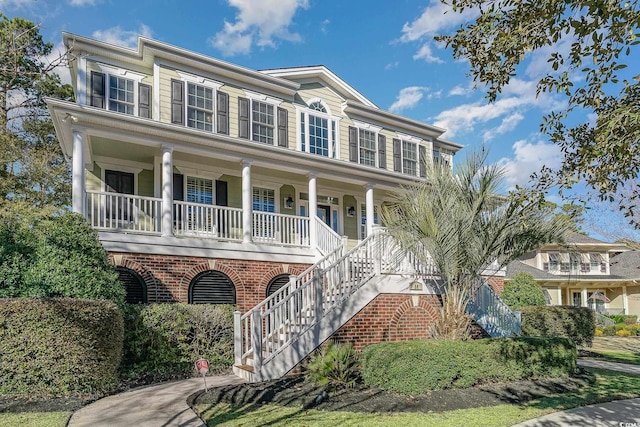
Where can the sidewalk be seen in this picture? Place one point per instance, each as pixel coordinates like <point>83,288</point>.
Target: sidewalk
<point>620,413</point>
<point>161,405</point>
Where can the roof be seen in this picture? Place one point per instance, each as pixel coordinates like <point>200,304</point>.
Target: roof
<point>626,264</point>
<point>582,239</point>
<point>515,267</point>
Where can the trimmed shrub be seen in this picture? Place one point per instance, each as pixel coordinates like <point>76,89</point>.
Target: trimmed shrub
<point>576,323</point>
<point>627,319</point>
<point>335,365</point>
<point>163,341</point>
<point>59,347</point>
<point>620,330</point>
<point>421,366</point>
<point>522,291</point>
<point>623,333</point>
<point>57,257</point>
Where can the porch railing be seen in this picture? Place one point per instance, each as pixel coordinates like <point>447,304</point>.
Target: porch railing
<point>283,229</point>
<point>115,211</point>
<point>207,220</point>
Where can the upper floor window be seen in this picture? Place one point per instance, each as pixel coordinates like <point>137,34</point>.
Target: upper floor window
<point>441,157</point>
<point>409,156</point>
<point>598,263</point>
<point>366,145</point>
<point>261,120</point>
<point>318,131</point>
<point>197,103</point>
<point>120,90</point>
<point>554,261</point>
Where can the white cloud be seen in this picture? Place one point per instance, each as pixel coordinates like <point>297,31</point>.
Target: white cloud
<point>460,90</point>
<point>529,157</point>
<point>435,19</point>
<point>508,124</point>
<point>259,22</point>
<point>518,96</point>
<point>61,68</point>
<point>408,98</point>
<point>426,54</point>
<point>80,3</point>
<point>392,65</point>
<point>16,4</point>
<point>323,26</point>
<point>118,36</point>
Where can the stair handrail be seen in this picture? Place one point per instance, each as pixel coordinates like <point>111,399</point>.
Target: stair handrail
<point>327,240</point>
<point>485,305</point>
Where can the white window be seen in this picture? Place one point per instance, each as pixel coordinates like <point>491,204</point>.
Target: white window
<point>199,107</point>
<point>409,158</point>
<point>318,131</point>
<point>363,219</point>
<point>121,95</point>
<point>262,122</point>
<point>199,190</point>
<point>367,147</point>
<point>554,261</point>
<point>264,199</point>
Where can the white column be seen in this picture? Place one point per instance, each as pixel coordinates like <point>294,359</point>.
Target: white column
<point>313,211</point>
<point>167,191</point>
<point>560,296</point>
<point>625,300</point>
<point>369,204</point>
<point>247,203</point>
<point>81,80</point>
<point>584,297</point>
<point>78,174</point>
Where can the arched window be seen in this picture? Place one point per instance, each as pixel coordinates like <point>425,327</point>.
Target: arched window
<point>277,282</point>
<point>318,130</point>
<point>133,284</point>
<point>212,287</point>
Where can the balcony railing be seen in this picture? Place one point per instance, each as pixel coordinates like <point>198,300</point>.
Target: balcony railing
<point>129,213</point>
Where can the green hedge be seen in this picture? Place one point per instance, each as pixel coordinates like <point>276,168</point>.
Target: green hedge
<point>420,366</point>
<point>163,341</point>
<point>576,323</point>
<point>627,319</point>
<point>59,347</point>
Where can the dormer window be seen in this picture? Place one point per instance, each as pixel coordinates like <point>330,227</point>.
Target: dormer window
<point>197,103</point>
<point>199,107</point>
<point>121,95</point>
<point>318,130</point>
<point>120,90</point>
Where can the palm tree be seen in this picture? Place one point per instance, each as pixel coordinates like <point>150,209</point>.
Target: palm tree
<point>462,223</point>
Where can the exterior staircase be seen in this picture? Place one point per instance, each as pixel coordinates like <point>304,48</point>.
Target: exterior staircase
<point>277,334</point>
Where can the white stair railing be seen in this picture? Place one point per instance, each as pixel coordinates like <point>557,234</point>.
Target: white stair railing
<point>326,239</point>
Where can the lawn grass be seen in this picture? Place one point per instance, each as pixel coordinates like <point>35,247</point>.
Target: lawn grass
<point>606,386</point>
<point>618,356</point>
<point>35,419</point>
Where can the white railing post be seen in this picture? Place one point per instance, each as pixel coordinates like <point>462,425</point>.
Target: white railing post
<point>313,212</point>
<point>167,191</point>
<point>294,316</point>
<point>237,337</point>
<point>256,339</point>
<point>317,289</point>
<point>376,250</point>
<point>247,203</point>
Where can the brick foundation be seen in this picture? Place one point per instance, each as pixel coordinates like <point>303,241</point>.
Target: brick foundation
<point>168,277</point>
<point>497,283</point>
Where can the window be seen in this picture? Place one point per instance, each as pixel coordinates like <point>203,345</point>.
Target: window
<point>199,190</point>
<point>277,283</point>
<point>574,259</point>
<point>367,142</point>
<point>262,122</point>
<point>212,287</point>
<point>440,156</point>
<point>318,133</point>
<point>199,107</point>
<point>554,261</point>
<point>121,95</point>
<point>409,158</point>
<point>263,200</point>
<point>363,219</point>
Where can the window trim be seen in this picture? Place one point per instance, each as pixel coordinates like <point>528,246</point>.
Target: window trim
<point>104,166</point>
<point>333,128</point>
<point>418,143</point>
<point>265,99</point>
<point>368,127</point>
<point>109,71</point>
<point>214,85</point>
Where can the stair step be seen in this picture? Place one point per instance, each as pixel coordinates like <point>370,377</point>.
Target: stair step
<point>247,368</point>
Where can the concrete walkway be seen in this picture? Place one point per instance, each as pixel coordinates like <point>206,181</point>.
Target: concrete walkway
<point>621,413</point>
<point>161,405</point>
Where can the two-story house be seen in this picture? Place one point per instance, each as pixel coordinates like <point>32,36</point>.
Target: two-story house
<point>212,183</point>
<point>585,272</point>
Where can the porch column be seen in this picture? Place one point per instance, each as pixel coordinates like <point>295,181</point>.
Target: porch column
<point>247,203</point>
<point>370,211</point>
<point>584,297</point>
<point>78,174</point>
<point>167,191</point>
<point>560,298</point>
<point>313,211</point>
<point>625,300</point>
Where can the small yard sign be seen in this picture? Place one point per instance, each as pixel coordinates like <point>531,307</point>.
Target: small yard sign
<point>202,366</point>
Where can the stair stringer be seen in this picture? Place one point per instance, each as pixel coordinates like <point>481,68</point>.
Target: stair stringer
<point>333,320</point>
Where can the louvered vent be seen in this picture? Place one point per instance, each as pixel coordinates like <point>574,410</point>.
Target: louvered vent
<point>276,283</point>
<point>134,285</point>
<point>212,287</point>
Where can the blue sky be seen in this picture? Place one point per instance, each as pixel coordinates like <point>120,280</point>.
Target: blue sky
<point>382,48</point>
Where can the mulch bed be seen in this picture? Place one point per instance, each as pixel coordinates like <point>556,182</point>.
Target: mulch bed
<point>295,391</point>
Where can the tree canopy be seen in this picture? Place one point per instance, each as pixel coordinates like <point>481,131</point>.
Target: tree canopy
<point>587,43</point>
<point>34,177</point>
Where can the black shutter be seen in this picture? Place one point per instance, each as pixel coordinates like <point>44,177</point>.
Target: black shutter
<point>136,289</point>
<point>222,101</point>
<point>422,151</point>
<point>177,102</point>
<point>353,144</point>
<point>97,89</point>
<point>277,283</point>
<point>212,287</point>
<point>243,118</point>
<point>144,101</point>
<point>382,151</point>
<point>178,186</point>
<point>397,155</point>
<point>283,127</point>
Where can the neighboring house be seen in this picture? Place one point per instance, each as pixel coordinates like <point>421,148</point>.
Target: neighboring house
<point>585,272</point>
<point>213,183</point>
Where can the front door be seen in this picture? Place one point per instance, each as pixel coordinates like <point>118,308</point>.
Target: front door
<point>324,213</point>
